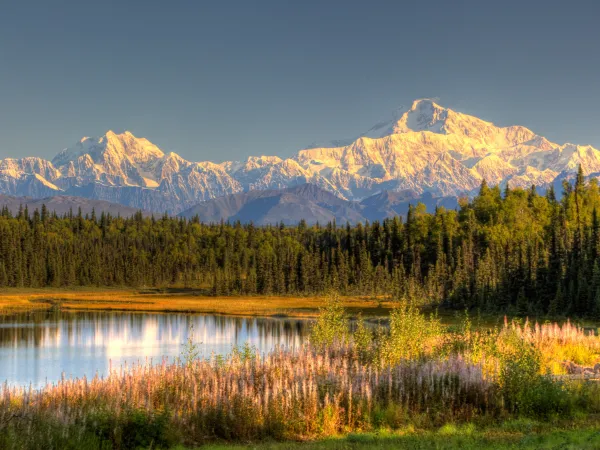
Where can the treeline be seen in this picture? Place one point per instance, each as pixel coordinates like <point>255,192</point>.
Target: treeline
<point>509,250</point>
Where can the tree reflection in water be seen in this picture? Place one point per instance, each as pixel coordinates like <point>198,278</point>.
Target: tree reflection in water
<point>39,347</point>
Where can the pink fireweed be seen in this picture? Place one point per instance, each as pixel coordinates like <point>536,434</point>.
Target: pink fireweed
<point>285,393</point>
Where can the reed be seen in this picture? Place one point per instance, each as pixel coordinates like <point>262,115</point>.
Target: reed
<point>344,382</point>
<point>283,395</point>
<point>559,343</point>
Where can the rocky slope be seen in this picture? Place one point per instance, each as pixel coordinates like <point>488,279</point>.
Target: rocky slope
<point>309,203</point>
<point>424,149</point>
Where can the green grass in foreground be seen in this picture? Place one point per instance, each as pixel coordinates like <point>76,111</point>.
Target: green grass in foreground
<point>513,435</point>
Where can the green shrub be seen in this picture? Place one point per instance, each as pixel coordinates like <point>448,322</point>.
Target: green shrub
<point>144,430</point>
<point>520,364</point>
<point>544,398</point>
<point>412,335</point>
<point>331,326</point>
<point>526,391</point>
<point>131,429</point>
<point>363,340</point>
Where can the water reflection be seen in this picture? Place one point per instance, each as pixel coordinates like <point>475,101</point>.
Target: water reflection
<point>40,347</point>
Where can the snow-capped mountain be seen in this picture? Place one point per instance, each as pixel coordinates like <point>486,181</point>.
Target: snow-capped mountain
<point>424,149</point>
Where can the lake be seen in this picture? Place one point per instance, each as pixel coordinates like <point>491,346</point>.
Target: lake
<point>40,347</point>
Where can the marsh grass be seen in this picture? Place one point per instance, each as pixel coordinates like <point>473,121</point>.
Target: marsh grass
<point>283,395</point>
<point>413,375</point>
<point>105,299</point>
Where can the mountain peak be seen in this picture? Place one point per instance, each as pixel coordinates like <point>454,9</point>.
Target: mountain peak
<point>425,103</point>
<point>424,114</point>
<point>416,105</point>
<point>110,135</point>
<point>124,144</point>
<point>423,111</point>
<point>113,159</point>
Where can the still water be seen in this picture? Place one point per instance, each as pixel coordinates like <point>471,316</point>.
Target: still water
<point>40,347</point>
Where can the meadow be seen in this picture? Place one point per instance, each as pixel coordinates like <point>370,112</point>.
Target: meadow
<point>522,435</point>
<point>15,300</point>
<point>413,380</point>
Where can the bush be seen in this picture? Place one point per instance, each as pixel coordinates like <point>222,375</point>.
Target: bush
<point>412,335</point>
<point>363,340</point>
<point>544,398</point>
<point>145,430</point>
<point>331,326</point>
<point>131,429</point>
<point>525,389</point>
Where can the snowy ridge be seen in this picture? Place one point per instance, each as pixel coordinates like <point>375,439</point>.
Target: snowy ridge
<point>424,148</point>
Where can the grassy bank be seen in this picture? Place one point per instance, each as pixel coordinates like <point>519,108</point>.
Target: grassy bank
<point>519,434</point>
<point>178,300</point>
<point>18,300</point>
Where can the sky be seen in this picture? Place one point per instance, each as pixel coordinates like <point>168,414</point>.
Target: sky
<point>220,80</point>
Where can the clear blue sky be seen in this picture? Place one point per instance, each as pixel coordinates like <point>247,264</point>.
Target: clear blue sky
<point>226,79</point>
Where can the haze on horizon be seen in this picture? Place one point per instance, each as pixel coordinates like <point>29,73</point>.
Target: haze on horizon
<point>231,79</point>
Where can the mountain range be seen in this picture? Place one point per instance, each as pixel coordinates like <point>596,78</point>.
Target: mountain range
<point>65,204</point>
<point>310,203</point>
<point>425,151</point>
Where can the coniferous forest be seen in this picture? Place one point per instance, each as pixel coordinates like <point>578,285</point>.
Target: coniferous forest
<point>505,250</point>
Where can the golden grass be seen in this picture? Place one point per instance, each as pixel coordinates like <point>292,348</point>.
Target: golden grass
<point>16,300</point>
<point>17,304</point>
<point>560,343</point>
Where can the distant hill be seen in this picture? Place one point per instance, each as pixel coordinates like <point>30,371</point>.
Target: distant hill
<point>390,203</point>
<point>289,206</point>
<point>62,204</point>
<point>308,202</point>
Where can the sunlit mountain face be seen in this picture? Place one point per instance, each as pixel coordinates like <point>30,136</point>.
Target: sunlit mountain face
<point>423,148</point>
<point>41,347</point>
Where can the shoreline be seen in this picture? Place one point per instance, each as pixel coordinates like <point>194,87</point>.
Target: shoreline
<point>187,301</point>
<point>15,301</point>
